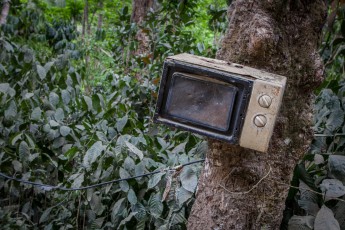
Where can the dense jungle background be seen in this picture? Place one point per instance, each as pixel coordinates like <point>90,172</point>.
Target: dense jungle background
<point>77,97</point>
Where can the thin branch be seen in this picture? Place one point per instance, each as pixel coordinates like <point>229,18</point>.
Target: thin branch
<point>248,191</point>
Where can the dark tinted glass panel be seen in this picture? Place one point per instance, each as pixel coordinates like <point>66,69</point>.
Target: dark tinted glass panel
<point>201,100</point>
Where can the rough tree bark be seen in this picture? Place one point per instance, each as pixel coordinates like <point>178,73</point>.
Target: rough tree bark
<point>85,18</point>
<point>100,16</point>
<point>4,12</point>
<point>140,9</point>
<point>245,189</point>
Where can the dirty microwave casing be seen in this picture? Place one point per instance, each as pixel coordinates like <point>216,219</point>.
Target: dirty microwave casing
<point>221,100</point>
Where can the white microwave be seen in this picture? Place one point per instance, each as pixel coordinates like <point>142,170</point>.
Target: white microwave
<point>220,100</point>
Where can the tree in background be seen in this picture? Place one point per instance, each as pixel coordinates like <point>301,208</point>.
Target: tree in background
<point>140,9</point>
<point>4,11</point>
<point>86,19</point>
<point>280,37</point>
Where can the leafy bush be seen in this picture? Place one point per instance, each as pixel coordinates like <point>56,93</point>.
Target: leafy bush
<point>54,132</point>
<point>317,199</point>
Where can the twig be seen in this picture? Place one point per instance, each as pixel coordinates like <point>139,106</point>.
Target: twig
<point>248,191</point>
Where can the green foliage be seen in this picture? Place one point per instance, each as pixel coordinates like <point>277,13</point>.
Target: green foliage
<point>58,128</point>
<point>320,177</point>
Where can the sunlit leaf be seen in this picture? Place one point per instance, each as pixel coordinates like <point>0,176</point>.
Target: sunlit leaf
<point>132,198</point>
<point>189,179</point>
<point>336,167</point>
<point>36,114</point>
<point>325,220</point>
<point>42,73</point>
<point>64,130</point>
<point>92,154</point>
<point>155,179</point>
<point>155,205</point>
<point>135,150</point>
<point>120,124</point>
<point>117,209</point>
<point>332,188</point>
<point>54,98</point>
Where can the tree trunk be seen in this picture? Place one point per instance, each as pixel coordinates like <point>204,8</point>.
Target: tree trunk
<point>85,18</point>
<point>4,12</point>
<point>241,188</point>
<point>100,16</point>
<point>140,8</point>
<point>139,11</point>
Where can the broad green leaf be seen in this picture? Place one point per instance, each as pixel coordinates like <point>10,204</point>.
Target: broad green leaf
<point>51,160</point>
<point>120,143</point>
<point>28,56</point>
<point>17,166</point>
<point>66,97</point>
<point>78,181</point>
<point>92,154</point>
<point>54,98</point>
<point>318,159</point>
<point>42,73</point>
<point>139,169</point>
<point>53,123</point>
<point>332,188</point>
<point>164,227</point>
<point>64,130</point>
<point>3,70</point>
<point>36,114</point>
<point>132,198</point>
<point>48,66</point>
<point>4,87</point>
<point>129,164</point>
<point>339,213</point>
<point>155,179</point>
<point>11,111</point>
<point>189,179</point>
<point>325,220</point>
<point>98,222</point>
<point>15,138</point>
<point>124,186</point>
<point>58,142</point>
<point>309,206</point>
<point>336,167</point>
<point>301,222</point>
<point>96,103</point>
<point>178,217</point>
<point>28,95</point>
<point>124,174</point>
<point>140,210</point>
<point>127,219</point>
<point>141,224</point>
<point>306,193</point>
<point>81,127</point>
<point>180,148</point>
<point>33,157</point>
<point>117,209</point>
<point>96,203</point>
<point>101,136</point>
<point>135,150</point>
<point>121,123</point>
<point>183,195</point>
<point>335,120</point>
<point>59,115</point>
<point>45,215</point>
<point>108,172</point>
<point>24,151</point>
<point>88,102</point>
<point>155,205</point>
